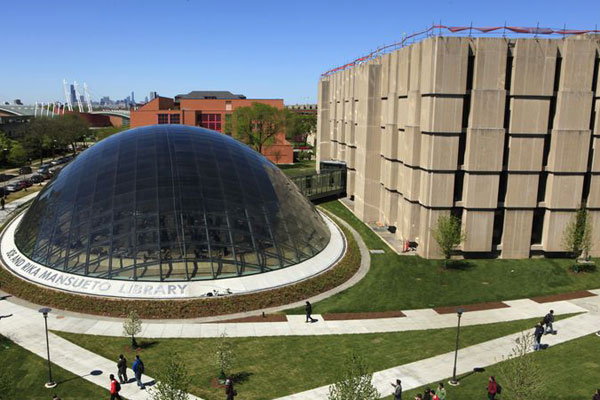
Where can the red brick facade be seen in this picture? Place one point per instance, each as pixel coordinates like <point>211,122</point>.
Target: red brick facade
<point>210,114</point>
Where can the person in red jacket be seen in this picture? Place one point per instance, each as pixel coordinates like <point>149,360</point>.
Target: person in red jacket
<point>115,388</point>
<point>492,388</point>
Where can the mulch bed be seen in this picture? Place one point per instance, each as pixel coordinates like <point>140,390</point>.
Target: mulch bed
<point>564,296</point>
<point>256,318</point>
<point>214,383</point>
<point>471,307</point>
<point>363,315</point>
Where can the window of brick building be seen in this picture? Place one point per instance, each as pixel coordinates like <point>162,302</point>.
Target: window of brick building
<point>210,121</point>
<point>175,119</point>
<point>163,118</point>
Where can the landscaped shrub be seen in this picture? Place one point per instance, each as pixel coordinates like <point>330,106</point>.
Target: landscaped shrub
<point>583,267</point>
<point>190,308</point>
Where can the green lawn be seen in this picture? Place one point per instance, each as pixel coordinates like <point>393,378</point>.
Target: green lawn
<point>27,373</point>
<point>276,366</point>
<point>409,282</point>
<point>574,356</point>
<point>299,168</point>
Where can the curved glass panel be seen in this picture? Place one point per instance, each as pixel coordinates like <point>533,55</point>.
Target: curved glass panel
<point>170,203</point>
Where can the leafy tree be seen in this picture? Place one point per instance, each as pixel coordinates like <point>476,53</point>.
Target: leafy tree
<point>299,125</point>
<point>355,382</point>
<point>522,375</point>
<point>224,356</point>
<point>17,154</point>
<point>132,326</point>
<point>447,233</point>
<point>36,137</point>
<point>72,128</point>
<point>172,381</point>
<point>256,125</point>
<point>577,237</point>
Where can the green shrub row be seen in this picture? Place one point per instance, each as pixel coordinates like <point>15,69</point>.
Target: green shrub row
<point>189,308</point>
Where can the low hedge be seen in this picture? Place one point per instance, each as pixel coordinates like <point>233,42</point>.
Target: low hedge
<point>189,308</point>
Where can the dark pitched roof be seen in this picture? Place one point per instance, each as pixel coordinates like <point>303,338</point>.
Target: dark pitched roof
<point>210,94</point>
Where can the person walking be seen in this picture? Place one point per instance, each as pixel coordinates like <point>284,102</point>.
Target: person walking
<point>492,388</point>
<point>537,336</point>
<point>397,390</point>
<point>138,370</point>
<point>2,202</point>
<point>434,395</point>
<point>548,321</point>
<point>115,388</point>
<point>308,309</point>
<point>441,391</point>
<point>55,397</point>
<point>122,368</point>
<point>229,389</point>
<point>596,395</point>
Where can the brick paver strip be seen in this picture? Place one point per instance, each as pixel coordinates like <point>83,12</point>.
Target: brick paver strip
<point>363,315</point>
<point>565,296</point>
<point>471,307</point>
<point>256,318</point>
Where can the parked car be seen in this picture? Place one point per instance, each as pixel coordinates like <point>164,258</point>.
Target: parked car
<point>13,187</point>
<point>25,170</point>
<point>6,177</point>
<point>37,178</point>
<point>43,167</point>
<point>25,183</point>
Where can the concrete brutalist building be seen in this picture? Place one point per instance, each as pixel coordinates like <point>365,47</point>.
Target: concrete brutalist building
<point>499,132</point>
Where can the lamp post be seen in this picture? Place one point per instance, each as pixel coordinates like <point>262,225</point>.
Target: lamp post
<point>50,384</point>
<point>453,381</point>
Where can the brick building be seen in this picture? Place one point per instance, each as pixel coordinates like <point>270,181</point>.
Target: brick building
<point>500,132</point>
<point>210,110</point>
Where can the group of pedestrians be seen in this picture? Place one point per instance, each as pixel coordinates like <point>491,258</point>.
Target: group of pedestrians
<point>544,327</point>
<point>138,370</point>
<point>429,394</point>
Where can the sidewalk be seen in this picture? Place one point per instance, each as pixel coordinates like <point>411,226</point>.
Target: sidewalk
<point>296,325</point>
<point>426,371</point>
<point>27,330</point>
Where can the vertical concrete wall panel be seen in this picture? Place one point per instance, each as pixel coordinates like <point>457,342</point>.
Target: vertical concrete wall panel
<point>516,237</point>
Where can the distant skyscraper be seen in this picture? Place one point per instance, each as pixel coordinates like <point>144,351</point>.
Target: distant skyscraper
<point>132,98</point>
<point>146,99</point>
<point>153,95</point>
<point>73,95</point>
<point>18,102</point>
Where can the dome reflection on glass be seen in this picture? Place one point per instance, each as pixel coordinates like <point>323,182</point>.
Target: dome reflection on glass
<point>170,203</point>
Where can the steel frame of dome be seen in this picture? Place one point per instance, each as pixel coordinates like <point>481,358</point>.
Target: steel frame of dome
<point>170,203</point>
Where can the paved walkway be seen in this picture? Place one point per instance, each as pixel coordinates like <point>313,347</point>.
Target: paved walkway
<point>439,368</point>
<point>26,328</point>
<point>13,205</point>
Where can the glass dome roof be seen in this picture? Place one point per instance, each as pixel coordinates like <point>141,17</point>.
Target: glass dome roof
<point>170,202</point>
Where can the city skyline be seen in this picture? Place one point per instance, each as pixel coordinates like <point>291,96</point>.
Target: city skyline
<point>264,50</point>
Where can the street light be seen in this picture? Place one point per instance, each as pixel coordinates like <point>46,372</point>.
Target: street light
<point>453,381</point>
<point>50,384</point>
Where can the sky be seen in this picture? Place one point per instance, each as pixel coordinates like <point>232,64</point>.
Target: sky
<point>262,49</point>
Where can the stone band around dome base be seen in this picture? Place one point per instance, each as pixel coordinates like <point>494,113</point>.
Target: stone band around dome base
<point>20,265</point>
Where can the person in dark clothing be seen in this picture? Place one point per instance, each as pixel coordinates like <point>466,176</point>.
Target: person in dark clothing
<point>427,394</point>
<point>537,334</point>
<point>548,321</point>
<point>115,388</point>
<point>397,390</point>
<point>122,368</point>
<point>309,312</point>
<point>492,388</point>
<point>596,395</point>
<point>229,389</point>
<point>2,202</point>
